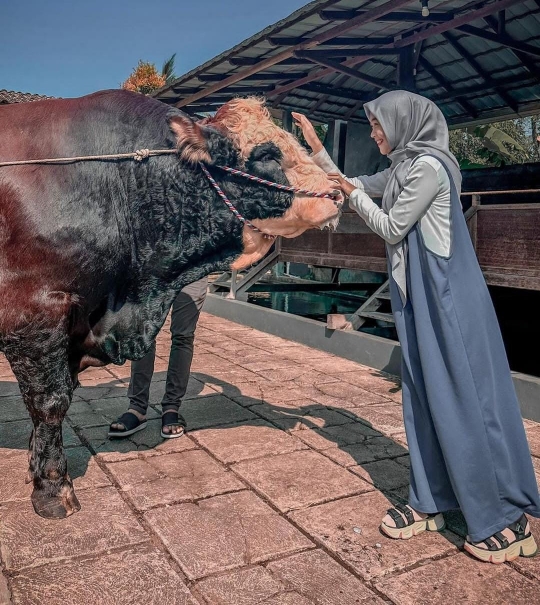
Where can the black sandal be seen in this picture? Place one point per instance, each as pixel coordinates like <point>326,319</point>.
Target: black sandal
<point>406,526</point>
<point>500,550</point>
<point>131,425</point>
<point>172,419</point>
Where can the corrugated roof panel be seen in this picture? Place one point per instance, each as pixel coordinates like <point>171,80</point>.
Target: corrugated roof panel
<point>496,61</point>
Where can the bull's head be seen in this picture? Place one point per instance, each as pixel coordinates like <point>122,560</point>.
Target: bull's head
<point>266,151</point>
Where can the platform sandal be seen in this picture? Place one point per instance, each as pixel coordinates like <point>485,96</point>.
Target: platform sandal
<point>407,527</point>
<point>500,549</point>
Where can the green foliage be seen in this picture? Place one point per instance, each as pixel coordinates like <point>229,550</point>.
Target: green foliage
<point>167,71</point>
<point>497,144</point>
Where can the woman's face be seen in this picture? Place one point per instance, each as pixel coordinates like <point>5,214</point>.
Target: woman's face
<point>378,135</point>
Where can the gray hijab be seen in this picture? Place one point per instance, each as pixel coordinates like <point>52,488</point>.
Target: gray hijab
<point>413,126</point>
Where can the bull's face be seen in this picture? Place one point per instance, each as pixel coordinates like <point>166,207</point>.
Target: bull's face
<point>271,154</point>
<point>250,124</point>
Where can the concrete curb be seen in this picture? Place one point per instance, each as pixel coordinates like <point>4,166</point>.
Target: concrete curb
<point>373,351</point>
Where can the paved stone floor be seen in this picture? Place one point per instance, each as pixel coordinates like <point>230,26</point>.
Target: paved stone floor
<point>273,497</point>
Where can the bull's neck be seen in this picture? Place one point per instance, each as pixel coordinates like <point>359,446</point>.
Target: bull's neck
<point>180,232</point>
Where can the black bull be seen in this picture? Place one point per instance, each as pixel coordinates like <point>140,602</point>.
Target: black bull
<point>92,253</point>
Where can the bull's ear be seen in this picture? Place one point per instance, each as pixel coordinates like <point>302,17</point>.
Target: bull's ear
<point>191,140</point>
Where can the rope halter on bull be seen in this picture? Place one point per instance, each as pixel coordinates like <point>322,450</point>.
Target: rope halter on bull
<point>142,154</point>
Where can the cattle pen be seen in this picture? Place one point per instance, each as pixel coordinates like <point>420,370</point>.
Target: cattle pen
<point>480,62</point>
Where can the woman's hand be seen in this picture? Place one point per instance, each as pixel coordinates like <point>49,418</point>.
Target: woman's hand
<point>308,131</point>
<point>344,186</point>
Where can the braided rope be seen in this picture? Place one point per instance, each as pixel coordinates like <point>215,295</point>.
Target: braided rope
<point>230,205</point>
<point>138,156</point>
<point>256,179</point>
<point>141,154</point>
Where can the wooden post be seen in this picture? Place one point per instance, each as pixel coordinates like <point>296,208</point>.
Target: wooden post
<point>405,75</point>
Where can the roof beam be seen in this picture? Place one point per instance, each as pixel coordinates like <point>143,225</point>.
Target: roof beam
<point>400,17</point>
<point>456,44</point>
<point>443,83</point>
<point>525,59</point>
<point>412,39</point>
<point>353,73</point>
<point>312,55</point>
<point>231,90</point>
<point>503,40</point>
<point>368,17</point>
<point>277,41</point>
<point>485,86</point>
<point>336,91</point>
<point>243,61</point>
<point>477,13</point>
<point>259,77</point>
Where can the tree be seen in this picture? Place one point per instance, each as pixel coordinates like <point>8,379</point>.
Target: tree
<point>167,71</point>
<point>144,79</point>
<point>497,144</point>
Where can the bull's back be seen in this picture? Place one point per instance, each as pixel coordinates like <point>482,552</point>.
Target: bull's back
<point>60,225</point>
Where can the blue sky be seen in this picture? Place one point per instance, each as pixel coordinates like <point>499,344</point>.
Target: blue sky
<point>68,48</point>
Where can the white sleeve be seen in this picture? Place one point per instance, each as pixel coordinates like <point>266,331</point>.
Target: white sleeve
<point>324,161</point>
<point>419,190</point>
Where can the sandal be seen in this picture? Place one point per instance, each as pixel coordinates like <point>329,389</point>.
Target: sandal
<point>406,526</point>
<point>499,549</point>
<point>131,425</point>
<point>172,419</point>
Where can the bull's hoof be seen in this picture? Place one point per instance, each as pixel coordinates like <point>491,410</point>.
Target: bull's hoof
<point>55,507</point>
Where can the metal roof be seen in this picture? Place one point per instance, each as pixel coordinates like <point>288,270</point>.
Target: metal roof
<point>478,60</point>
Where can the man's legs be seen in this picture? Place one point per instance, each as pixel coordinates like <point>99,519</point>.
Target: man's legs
<point>185,314</point>
<point>186,309</point>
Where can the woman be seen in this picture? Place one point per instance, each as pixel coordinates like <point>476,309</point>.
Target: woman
<point>464,429</point>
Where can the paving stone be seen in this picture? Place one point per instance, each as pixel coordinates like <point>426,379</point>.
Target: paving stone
<point>333,524</point>
<point>245,441</point>
<point>12,408</point>
<point>116,388</point>
<point>101,412</point>
<point>103,522</point>
<point>342,395</point>
<point>290,598</point>
<point>213,410</point>
<point>133,576</point>
<point>371,380</point>
<point>533,436</point>
<point>172,478</point>
<point>383,474</point>
<point>5,594</point>
<point>459,579</point>
<point>530,566</point>
<point>82,469</point>
<point>332,437</point>
<point>16,435</point>
<point>319,578</point>
<point>299,479</point>
<point>375,448</point>
<point>243,587</point>
<point>224,532</point>
<point>386,418</point>
<point>300,415</point>
<point>9,388</point>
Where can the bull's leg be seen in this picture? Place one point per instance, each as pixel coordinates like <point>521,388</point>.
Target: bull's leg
<point>47,387</point>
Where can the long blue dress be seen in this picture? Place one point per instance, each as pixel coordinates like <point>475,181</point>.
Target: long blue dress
<point>464,428</point>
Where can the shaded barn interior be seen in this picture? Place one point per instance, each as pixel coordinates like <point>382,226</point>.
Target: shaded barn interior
<point>478,60</point>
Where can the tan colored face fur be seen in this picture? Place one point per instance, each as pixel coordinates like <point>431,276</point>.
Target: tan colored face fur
<point>250,124</point>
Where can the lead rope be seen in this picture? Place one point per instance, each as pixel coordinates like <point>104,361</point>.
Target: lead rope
<point>230,205</point>
<point>141,154</point>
